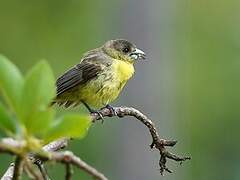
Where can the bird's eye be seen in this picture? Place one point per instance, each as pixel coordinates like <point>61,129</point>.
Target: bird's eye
<point>126,50</point>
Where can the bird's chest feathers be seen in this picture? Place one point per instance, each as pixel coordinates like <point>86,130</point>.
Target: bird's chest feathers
<point>123,70</point>
<point>108,85</point>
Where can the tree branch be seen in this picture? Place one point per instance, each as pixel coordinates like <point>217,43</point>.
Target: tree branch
<point>9,145</point>
<point>157,142</point>
<point>42,170</point>
<point>56,145</point>
<point>9,173</point>
<point>17,168</point>
<point>69,158</point>
<point>69,172</point>
<point>29,169</point>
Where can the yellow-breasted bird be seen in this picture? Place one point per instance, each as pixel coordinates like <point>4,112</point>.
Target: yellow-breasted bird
<point>99,77</point>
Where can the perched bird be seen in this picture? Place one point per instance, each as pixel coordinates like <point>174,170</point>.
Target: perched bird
<point>99,77</point>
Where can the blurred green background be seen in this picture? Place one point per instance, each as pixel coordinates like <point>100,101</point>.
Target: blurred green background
<point>189,85</point>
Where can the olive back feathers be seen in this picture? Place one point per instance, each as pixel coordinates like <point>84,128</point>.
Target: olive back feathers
<point>79,74</point>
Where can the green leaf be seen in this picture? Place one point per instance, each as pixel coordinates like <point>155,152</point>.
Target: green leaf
<point>41,122</point>
<point>71,125</point>
<point>37,93</point>
<point>7,122</point>
<point>11,82</point>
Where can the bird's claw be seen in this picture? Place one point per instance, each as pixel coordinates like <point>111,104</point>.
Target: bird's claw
<point>113,112</point>
<point>99,114</point>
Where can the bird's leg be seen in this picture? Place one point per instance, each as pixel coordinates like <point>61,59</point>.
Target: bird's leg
<point>92,110</point>
<point>111,109</point>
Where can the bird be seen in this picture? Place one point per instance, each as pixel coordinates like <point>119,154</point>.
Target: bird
<point>99,77</point>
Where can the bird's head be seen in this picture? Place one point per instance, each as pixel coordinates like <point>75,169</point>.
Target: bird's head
<point>124,50</point>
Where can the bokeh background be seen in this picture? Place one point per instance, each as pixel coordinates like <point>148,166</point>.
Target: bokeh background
<point>189,84</point>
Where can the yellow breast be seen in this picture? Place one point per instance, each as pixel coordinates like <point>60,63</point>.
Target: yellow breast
<point>123,69</point>
<point>101,91</point>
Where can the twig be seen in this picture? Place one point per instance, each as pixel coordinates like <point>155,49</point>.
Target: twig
<point>68,157</point>
<point>157,142</point>
<point>31,171</point>
<point>56,145</point>
<point>9,145</point>
<point>42,170</point>
<point>17,168</point>
<point>9,173</point>
<point>69,172</point>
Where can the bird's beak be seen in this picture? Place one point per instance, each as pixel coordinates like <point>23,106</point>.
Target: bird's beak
<point>138,54</point>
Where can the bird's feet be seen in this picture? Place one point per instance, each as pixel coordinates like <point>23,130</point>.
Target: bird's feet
<point>99,114</point>
<point>93,111</point>
<point>113,112</point>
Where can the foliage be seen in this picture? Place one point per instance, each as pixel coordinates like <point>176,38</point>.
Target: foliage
<point>24,110</point>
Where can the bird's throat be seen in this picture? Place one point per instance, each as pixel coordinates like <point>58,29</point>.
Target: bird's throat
<point>123,69</point>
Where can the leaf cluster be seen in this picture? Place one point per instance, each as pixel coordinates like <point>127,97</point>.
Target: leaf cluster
<point>24,106</point>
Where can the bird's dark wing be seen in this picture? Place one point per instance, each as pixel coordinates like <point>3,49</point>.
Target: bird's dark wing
<point>79,74</point>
